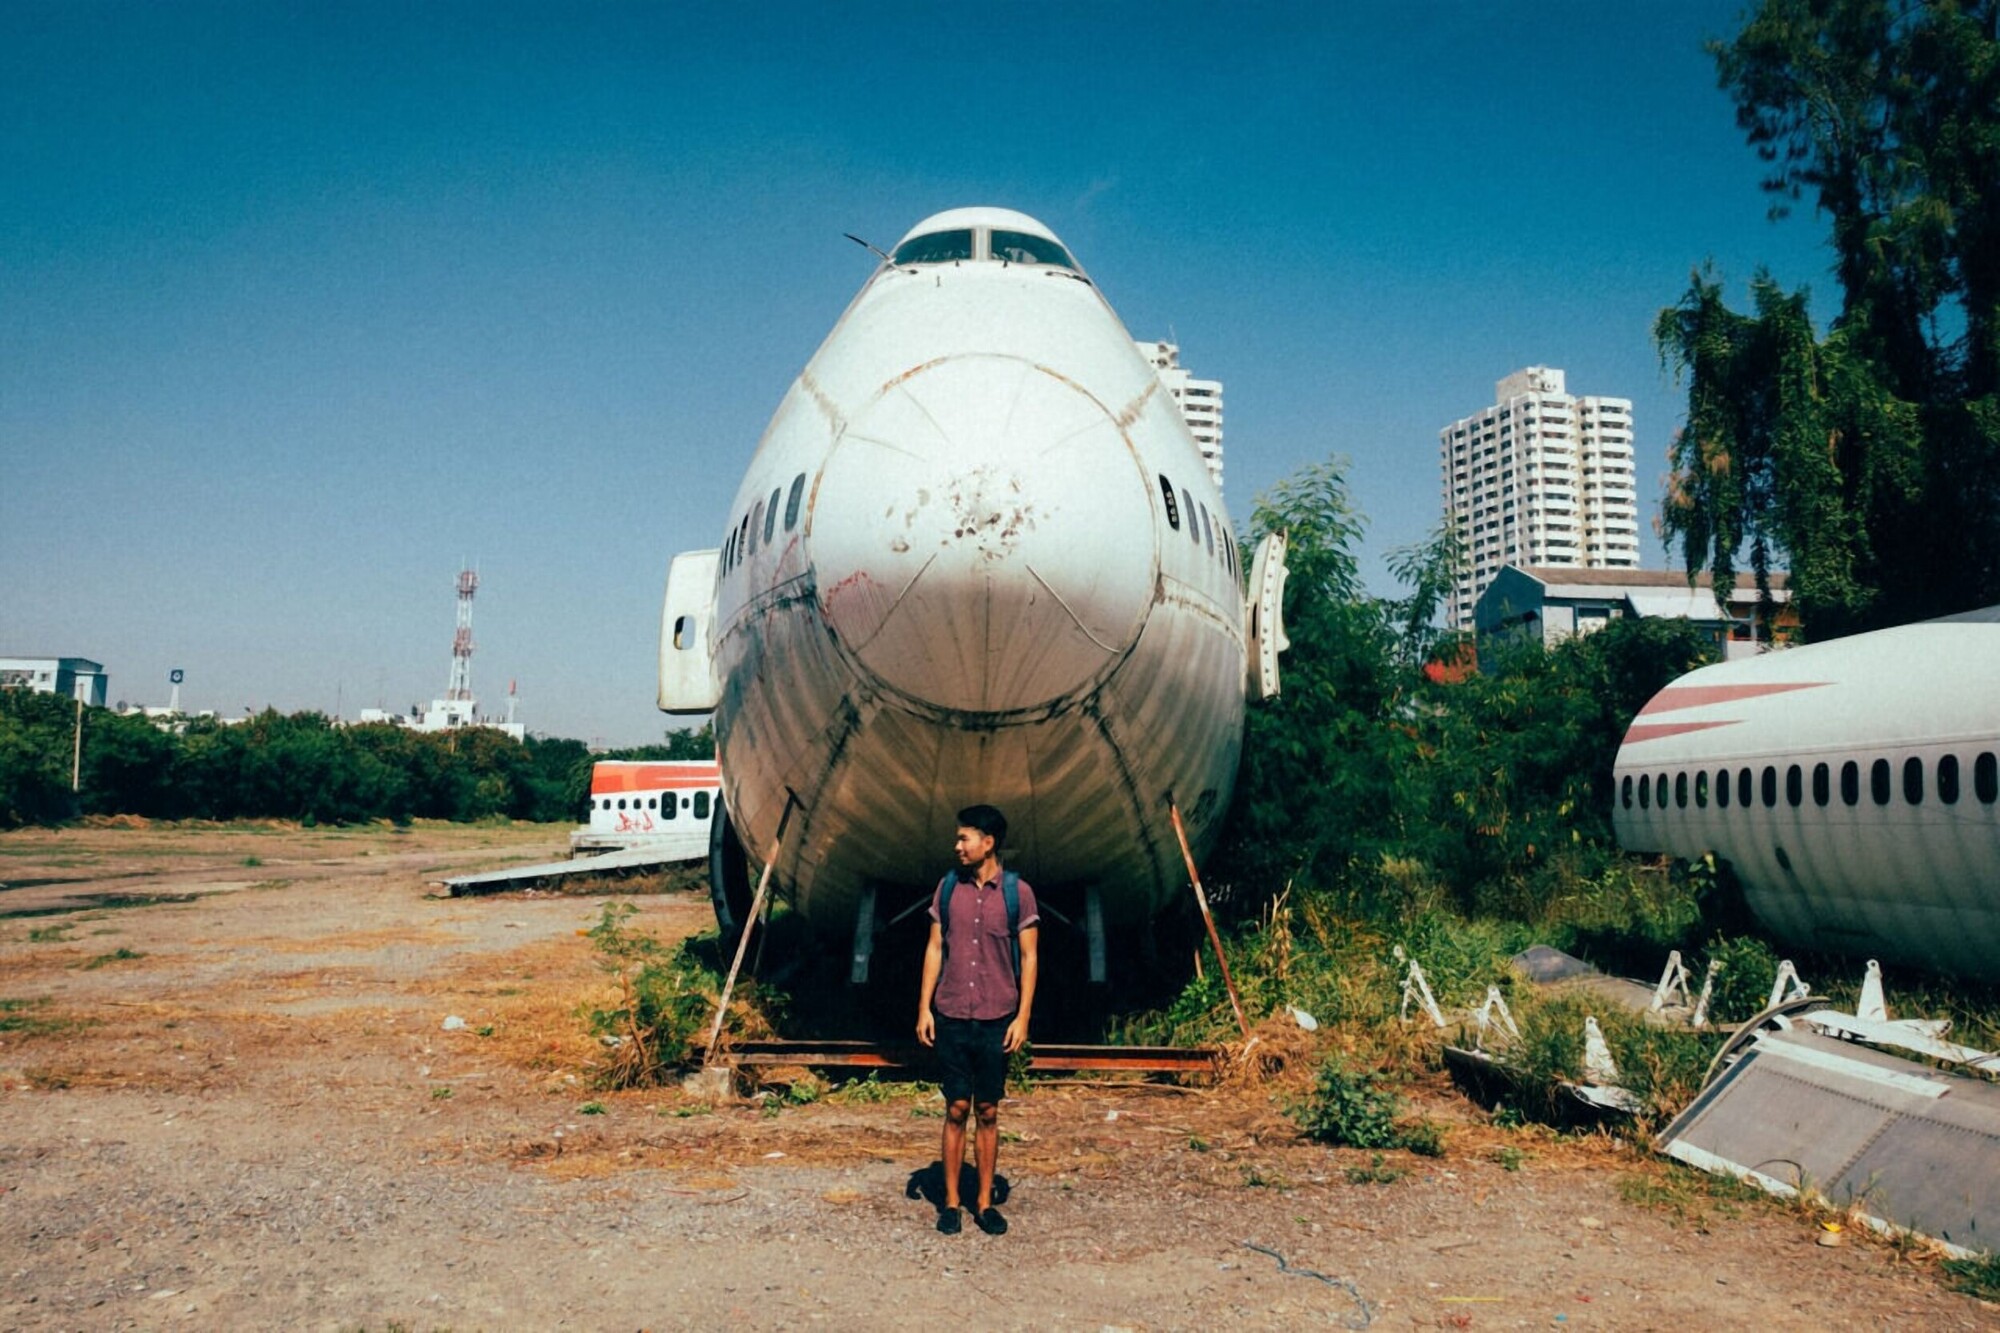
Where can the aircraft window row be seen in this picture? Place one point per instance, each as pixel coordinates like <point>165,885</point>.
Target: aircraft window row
<point>760,525</point>
<point>669,807</point>
<point>1201,528</point>
<point>1749,785</point>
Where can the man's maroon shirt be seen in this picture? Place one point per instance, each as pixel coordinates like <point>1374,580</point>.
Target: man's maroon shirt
<point>978,977</point>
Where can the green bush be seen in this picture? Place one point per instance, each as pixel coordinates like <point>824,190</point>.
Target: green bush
<point>667,999</point>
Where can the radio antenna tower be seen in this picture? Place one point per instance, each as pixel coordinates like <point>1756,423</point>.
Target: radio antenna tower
<point>461,642</point>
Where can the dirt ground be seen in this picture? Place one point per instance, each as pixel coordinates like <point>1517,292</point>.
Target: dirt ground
<point>228,1098</point>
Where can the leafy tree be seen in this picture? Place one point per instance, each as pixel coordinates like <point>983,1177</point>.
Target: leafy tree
<point>1870,459</point>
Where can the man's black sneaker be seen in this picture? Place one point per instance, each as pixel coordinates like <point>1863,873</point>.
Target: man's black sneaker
<point>989,1221</point>
<point>948,1221</point>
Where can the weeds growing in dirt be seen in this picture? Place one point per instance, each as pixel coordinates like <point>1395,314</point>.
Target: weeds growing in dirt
<point>666,1002</point>
<point>119,955</point>
<point>49,934</point>
<point>22,1018</point>
<point>1976,1277</point>
<point>1375,1173</point>
<point>1347,1107</point>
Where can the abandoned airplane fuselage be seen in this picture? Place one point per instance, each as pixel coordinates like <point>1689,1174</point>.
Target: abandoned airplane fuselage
<point>1853,785</point>
<point>977,557</point>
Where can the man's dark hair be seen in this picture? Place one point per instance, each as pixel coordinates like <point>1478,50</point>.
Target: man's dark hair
<point>986,819</point>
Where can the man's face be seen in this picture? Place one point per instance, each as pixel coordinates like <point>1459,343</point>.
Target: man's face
<point>973,846</point>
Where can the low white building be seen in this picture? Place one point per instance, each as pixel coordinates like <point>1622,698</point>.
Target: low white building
<point>71,677</point>
<point>1553,603</point>
<point>442,715</point>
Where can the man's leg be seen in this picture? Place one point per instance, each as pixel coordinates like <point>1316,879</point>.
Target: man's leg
<point>952,1154</point>
<point>986,1149</point>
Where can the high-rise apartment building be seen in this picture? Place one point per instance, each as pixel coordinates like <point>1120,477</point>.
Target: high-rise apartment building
<point>1200,401</point>
<point>1540,478</point>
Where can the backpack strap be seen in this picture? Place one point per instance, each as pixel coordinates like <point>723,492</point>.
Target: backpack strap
<point>1010,893</point>
<point>945,886</point>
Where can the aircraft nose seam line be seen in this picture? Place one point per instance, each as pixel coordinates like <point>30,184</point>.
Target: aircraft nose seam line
<point>1070,611</point>
<point>890,614</point>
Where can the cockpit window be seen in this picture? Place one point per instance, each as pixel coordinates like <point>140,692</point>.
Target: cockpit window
<point>940,247</point>
<point>1019,247</point>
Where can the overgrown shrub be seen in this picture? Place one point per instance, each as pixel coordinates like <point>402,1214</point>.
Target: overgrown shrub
<point>1348,1107</point>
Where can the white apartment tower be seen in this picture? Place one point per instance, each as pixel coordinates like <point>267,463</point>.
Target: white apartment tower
<point>1200,401</point>
<point>1539,478</point>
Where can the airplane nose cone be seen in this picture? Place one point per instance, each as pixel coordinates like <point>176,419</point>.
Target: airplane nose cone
<point>982,538</point>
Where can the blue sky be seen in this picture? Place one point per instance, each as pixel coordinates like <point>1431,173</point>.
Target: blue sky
<point>301,305</point>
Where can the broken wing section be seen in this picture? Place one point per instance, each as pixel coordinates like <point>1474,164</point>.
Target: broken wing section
<point>1264,616</point>
<point>688,682</point>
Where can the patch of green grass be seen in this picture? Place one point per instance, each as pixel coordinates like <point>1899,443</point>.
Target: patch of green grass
<point>591,1108</point>
<point>441,1094</point>
<point>253,860</point>
<point>1978,1276</point>
<point>1509,1158</point>
<point>689,1111</point>
<point>1691,1196</point>
<point>119,955</point>
<point>49,934</point>
<point>18,1016</point>
<point>1375,1173</point>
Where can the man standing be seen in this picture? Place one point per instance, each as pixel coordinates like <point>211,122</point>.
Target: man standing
<point>979,986</point>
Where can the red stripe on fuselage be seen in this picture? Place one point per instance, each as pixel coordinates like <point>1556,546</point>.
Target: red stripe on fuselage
<point>1694,696</point>
<point>1652,731</point>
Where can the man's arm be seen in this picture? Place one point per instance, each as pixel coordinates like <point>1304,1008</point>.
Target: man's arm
<point>1017,1031</point>
<point>933,964</point>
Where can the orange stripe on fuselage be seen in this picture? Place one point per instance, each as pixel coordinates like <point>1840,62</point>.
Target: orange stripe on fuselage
<point>1652,731</point>
<point>1694,696</point>
<point>652,778</point>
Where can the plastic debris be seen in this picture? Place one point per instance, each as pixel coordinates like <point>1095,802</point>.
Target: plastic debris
<point>454,1024</point>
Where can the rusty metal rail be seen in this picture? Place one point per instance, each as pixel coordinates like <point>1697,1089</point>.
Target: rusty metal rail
<point>901,1056</point>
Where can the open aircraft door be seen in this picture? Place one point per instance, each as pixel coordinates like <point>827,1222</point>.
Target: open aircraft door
<point>687,661</point>
<point>1264,616</point>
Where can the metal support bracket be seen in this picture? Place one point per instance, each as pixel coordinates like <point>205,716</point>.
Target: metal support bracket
<point>864,937</point>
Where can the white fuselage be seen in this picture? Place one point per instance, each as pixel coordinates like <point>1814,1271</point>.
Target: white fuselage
<point>1850,784</point>
<point>954,574</point>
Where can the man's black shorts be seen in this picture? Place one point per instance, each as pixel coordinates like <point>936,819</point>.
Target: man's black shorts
<point>971,1058</point>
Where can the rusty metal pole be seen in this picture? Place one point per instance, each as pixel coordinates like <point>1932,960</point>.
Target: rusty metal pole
<point>749,924</point>
<point>1208,919</point>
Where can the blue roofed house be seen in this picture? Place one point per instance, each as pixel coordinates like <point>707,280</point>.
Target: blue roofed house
<point>1552,603</point>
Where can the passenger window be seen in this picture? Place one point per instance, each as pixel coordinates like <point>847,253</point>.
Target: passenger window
<point>1822,784</point>
<point>742,538</point>
<point>1625,791</point>
<point>701,805</point>
<point>792,501</point>
<point>1743,787</point>
<point>1986,778</point>
<point>1660,792</point>
<point>1681,790</point>
<point>1722,787</point>
<point>1207,530</point>
<point>1913,780</point>
<point>1645,791</point>
<point>1173,505</point>
<point>771,517</point>
<point>1770,785</point>
<point>1850,783</point>
<point>1194,525</point>
<point>1795,787</point>
<point>756,522</point>
<point>670,807</point>
<point>621,802</point>
<point>1878,781</point>
<point>1948,779</point>
<point>1701,789</point>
